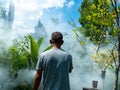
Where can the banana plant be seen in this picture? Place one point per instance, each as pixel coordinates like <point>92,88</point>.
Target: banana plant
<point>34,48</point>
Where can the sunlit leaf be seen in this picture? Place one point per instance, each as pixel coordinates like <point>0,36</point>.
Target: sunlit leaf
<point>47,48</point>
<point>34,49</point>
<point>39,42</point>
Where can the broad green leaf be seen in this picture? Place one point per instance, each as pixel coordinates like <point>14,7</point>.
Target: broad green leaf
<point>82,42</point>
<point>33,48</point>
<point>39,42</point>
<point>49,47</point>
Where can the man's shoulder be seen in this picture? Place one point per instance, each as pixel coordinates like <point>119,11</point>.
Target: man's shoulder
<point>46,52</point>
<point>66,52</point>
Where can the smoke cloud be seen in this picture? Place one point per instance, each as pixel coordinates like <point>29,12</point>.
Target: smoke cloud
<point>84,71</point>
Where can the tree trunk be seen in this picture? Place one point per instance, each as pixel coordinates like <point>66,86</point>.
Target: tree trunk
<point>118,64</point>
<point>116,78</point>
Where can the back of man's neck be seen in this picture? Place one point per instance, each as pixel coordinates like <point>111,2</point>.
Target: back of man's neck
<point>56,46</point>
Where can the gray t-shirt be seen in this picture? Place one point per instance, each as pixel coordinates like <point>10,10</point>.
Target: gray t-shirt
<point>56,64</point>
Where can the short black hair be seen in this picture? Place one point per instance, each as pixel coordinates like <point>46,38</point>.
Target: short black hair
<point>57,37</point>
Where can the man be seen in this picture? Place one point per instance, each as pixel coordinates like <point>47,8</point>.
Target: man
<point>55,64</point>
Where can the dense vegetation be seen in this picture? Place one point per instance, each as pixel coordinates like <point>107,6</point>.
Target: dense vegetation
<point>100,24</point>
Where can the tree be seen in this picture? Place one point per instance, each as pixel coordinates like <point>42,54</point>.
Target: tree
<point>10,17</point>
<point>99,26</point>
<point>6,17</point>
<point>39,30</point>
<point>97,20</point>
<point>117,12</point>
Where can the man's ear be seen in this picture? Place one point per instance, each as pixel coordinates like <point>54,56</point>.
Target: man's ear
<point>62,42</point>
<point>50,41</point>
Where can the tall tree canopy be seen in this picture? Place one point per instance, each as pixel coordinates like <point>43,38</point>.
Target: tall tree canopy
<point>97,19</point>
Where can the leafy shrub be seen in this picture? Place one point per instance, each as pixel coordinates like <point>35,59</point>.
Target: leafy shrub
<point>23,54</point>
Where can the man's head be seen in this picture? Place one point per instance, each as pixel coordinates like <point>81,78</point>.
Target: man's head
<point>56,38</point>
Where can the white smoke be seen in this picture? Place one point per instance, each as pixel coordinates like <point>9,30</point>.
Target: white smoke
<point>83,72</point>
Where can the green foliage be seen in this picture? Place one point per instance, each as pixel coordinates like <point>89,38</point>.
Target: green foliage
<point>47,48</point>
<point>34,48</point>
<point>105,59</point>
<point>23,86</point>
<point>97,19</point>
<point>18,57</point>
<point>80,38</point>
<point>23,54</point>
<point>100,23</point>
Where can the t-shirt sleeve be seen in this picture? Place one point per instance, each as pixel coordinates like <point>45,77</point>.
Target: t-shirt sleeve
<point>39,65</point>
<point>71,64</point>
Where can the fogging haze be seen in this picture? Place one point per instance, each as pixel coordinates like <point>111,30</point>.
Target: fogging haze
<point>53,16</point>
